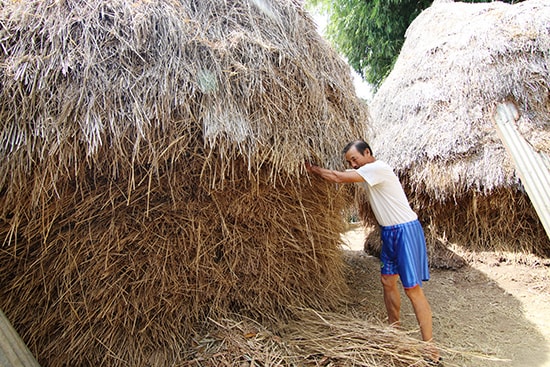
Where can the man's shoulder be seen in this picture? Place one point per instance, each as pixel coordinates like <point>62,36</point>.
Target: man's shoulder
<point>377,164</point>
<point>381,162</point>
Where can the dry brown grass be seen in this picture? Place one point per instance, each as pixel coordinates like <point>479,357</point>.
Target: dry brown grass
<point>151,172</point>
<point>313,339</point>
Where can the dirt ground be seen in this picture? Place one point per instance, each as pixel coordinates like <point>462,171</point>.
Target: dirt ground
<point>495,311</point>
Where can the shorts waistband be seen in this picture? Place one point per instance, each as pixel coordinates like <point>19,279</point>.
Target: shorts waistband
<point>400,225</point>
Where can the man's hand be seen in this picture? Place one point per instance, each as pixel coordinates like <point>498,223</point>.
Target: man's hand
<point>310,166</point>
<point>334,176</point>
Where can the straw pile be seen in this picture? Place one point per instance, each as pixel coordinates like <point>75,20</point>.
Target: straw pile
<point>327,339</point>
<point>151,172</point>
<point>432,119</point>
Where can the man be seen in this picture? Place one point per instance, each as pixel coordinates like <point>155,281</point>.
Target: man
<point>403,252</point>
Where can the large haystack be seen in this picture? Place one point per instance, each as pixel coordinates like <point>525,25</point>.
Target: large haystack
<point>151,172</point>
<point>432,119</point>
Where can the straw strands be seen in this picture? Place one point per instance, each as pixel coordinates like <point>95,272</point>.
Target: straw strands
<point>317,339</point>
<point>151,172</point>
<point>432,118</point>
<point>139,70</point>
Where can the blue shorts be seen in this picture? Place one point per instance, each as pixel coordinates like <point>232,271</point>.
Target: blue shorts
<point>404,253</point>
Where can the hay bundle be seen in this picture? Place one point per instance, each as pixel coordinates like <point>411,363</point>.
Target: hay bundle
<point>318,339</point>
<point>151,172</point>
<point>432,119</point>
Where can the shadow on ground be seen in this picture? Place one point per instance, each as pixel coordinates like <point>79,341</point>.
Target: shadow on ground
<point>479,322</point>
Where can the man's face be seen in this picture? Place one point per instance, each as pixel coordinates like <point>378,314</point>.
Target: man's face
<point>356,159</point>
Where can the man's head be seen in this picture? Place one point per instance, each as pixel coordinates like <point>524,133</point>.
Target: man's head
<point>358,153</point>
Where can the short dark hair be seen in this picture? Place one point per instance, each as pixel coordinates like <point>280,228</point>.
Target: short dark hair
<point>360,145</point>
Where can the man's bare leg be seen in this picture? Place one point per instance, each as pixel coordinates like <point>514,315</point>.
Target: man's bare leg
<point>423,314</point>
<point>392,299</point>
<point>422,311</point>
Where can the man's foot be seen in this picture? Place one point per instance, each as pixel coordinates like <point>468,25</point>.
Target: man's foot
<point>434,362</point>
<point>432,356</point>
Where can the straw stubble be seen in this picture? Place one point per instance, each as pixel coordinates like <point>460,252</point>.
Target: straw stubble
<point>152,172</point>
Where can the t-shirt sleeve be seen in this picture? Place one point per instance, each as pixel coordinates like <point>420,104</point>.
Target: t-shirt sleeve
<point>371,173</point>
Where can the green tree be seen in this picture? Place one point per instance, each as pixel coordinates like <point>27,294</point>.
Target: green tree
<point>370,33</point>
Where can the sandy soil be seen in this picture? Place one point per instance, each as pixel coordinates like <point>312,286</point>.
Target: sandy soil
<point>495,311</point>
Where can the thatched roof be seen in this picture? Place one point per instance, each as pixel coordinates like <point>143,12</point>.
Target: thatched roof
<point>433,114</point>
<point>432,117</point>
<point>151,171</point>
<point>140,78</point>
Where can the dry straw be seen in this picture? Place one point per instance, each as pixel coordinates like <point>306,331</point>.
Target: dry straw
<point>432,119</point>
<point>151,172</point>
<point>316,339</point>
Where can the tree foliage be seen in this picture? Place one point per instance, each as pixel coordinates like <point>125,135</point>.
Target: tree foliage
<point>370,33</point>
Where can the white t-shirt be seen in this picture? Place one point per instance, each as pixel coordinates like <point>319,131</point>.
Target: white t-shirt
<point>386,196</point>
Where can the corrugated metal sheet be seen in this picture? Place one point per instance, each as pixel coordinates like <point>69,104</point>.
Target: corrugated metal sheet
<point>532,167</point>
<point>13,351</point>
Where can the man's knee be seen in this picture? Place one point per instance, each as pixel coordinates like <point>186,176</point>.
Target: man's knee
<point>415,292</point>
<point>389,281</point>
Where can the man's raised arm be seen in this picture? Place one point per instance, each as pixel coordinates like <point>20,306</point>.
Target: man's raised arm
<point>349,176</point>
